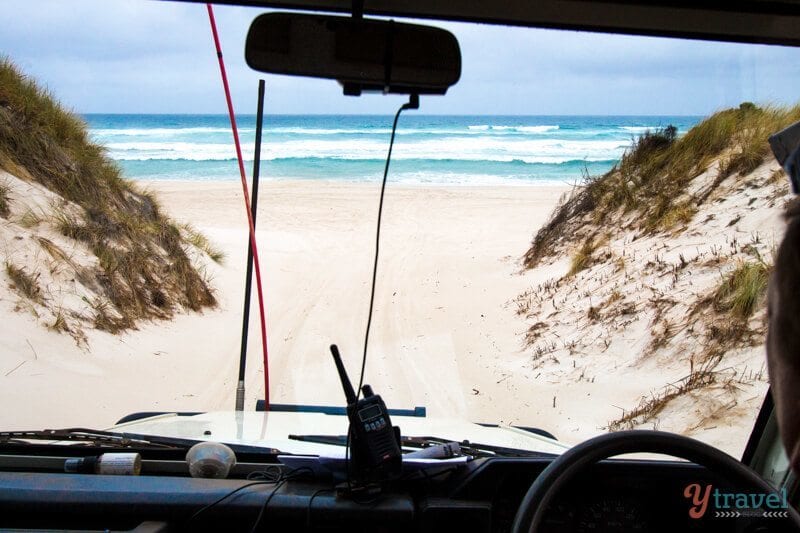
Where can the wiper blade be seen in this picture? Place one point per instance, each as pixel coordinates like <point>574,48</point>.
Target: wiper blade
<point>81,437</point>
<point>472,449</point>
<point>333,440</point>
<point>91,437</point>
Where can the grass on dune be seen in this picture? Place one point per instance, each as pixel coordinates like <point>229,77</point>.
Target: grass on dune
<point>582,258</point>
<point>652,178</point>
<point>4,208</point>
<point>742,289</point>
<point>25,283</point>
<point>650,406</point>
<point>144,268</point>
<point>201,242</point>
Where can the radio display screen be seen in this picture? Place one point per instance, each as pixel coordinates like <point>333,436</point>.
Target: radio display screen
<point>369,412</point>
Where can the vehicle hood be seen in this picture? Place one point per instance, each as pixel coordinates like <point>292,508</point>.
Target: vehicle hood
<point>272,430</point>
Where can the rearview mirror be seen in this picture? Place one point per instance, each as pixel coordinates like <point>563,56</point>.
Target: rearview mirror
<point>362,54</point>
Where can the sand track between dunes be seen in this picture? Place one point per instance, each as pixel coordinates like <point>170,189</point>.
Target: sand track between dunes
<point>447,270</point>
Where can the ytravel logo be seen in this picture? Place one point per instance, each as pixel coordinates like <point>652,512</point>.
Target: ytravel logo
<point>734,504</point>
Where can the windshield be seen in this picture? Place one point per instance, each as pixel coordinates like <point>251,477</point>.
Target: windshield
<point>576,238</point>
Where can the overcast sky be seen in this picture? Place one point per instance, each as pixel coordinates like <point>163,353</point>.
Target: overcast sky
<point>140,56</point>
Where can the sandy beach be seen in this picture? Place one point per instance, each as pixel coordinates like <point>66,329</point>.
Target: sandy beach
<point>448,271</point>
<point>459,326</point>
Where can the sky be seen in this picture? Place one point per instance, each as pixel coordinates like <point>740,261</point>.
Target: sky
<point>145,56</point>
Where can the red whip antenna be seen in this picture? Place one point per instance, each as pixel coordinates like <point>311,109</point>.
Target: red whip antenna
<point>246,202</point>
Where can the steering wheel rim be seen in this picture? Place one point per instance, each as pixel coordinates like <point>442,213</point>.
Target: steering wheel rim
<point>575,460</point>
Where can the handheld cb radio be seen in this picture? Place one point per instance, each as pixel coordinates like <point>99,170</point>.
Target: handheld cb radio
<point>374,443</point>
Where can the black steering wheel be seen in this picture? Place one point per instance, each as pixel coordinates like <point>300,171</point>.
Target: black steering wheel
<point>575,460</point>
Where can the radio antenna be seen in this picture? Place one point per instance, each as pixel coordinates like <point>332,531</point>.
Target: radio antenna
<point>349,393</point>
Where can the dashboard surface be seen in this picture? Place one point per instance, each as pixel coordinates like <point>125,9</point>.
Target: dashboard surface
<point>482,496</point>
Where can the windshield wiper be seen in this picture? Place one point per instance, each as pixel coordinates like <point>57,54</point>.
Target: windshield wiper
<point>81,437</point>
<point>472,449</point>
<point>91,437</point>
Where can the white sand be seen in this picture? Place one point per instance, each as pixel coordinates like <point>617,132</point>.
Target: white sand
<point>446,334</point>
<point>442,320</point>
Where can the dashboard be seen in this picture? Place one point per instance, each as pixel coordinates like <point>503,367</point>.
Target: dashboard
<point>482,496</point>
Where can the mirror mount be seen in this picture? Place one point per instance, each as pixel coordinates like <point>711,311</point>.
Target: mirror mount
<point>413,102</point>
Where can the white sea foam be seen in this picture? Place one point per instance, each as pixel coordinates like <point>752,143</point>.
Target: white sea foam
<point>168,132</point>
<point>147,151</point>
<point>512,129</point>
<point>484,148</point>
<point>328,131</point>
<point>160,132</point>
<point>366,131</point>
<point>536,129</point>
<point>471,130</point>
<point>638,129</point>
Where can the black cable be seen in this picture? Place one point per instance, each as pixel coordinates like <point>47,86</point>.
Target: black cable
<point>225,497</point>
<point>264,506</point>
<point>271,475</point>
<point>281,481</point>
<point>413,103</point>
<point>310,503</point>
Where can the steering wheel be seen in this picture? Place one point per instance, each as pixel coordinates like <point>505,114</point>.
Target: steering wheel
<point>580,457</point>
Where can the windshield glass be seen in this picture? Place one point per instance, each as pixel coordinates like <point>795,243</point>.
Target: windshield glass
<point>576,238</point>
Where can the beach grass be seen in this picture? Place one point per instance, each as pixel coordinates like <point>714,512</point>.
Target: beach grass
<point>651,180</point>
<point>650,406</point>
<point>25,283</point>
<point>4,201</point>
<point>201,242</point>
<point>741,290</point>
<point>145,271</point>
<point>582,258</point>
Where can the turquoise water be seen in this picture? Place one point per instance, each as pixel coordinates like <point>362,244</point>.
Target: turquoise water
<point>468,150</point>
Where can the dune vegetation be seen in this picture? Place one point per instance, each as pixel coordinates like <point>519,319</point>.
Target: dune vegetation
<point>131,260</point>
<point>654,176</point>
<point>664,262</point>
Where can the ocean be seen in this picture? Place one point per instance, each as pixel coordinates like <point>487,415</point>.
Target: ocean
<point>458,150</point>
